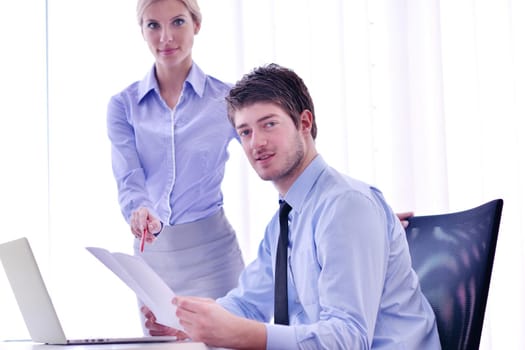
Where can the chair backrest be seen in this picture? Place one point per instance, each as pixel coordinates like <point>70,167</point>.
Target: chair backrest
<point>453,256</point>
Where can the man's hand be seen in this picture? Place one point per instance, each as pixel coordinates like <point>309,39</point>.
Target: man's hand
<point>404,216</point>
<point>206,321</point>
<point>157,329</point>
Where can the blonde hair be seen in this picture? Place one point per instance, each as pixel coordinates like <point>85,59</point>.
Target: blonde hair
<point>191,5</point>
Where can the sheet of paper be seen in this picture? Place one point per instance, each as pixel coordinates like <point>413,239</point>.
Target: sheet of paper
<point>144,281</point>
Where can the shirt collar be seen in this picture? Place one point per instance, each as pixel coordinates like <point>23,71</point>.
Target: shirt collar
<point>196,79</point>
<point>302,186</point>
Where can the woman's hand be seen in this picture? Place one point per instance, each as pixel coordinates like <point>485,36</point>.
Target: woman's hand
<point>143,222</point>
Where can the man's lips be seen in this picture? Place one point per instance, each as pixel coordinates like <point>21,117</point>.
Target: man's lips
<point>261,158</point>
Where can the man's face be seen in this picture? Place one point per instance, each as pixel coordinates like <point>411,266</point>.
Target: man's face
<point>272,143</point>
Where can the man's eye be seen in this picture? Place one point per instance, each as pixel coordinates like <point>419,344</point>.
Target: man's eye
<point>270,124</point>
<point>243,133</point>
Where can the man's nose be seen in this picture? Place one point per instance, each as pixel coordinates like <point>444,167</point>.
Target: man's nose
<point>258,140</point>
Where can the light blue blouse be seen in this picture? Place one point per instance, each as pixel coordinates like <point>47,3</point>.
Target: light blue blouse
<point>350,281</point>
<point>170,161</point>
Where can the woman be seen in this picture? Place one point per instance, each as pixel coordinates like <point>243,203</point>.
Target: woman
<point>169,136</point>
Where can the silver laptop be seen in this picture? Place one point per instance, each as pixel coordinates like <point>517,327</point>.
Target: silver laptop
<point>35,303</point>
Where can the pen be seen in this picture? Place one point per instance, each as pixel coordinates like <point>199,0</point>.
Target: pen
<point>142,240</point>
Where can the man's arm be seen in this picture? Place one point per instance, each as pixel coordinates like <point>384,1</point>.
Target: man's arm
<point>206,321</point>
<point>236,320</point>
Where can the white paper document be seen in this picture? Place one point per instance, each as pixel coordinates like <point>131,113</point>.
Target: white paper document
<point>144,281</point>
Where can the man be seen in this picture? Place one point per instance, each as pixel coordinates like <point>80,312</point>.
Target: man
<point>350,282</point>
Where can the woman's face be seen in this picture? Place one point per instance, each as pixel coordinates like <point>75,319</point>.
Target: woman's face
<point>168,28</point>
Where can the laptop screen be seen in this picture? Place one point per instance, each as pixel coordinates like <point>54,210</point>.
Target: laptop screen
<point>35,303</point>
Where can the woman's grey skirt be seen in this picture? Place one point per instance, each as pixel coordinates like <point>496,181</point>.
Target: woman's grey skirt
<point>201,258</point>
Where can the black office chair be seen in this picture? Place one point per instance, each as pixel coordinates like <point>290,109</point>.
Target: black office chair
<point>453,255</point>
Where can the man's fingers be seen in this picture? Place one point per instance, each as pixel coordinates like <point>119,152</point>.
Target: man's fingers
<point>187,300</point>
<point>147,313</point>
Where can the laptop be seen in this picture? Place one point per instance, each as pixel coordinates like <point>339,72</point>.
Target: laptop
<point>35,303</point>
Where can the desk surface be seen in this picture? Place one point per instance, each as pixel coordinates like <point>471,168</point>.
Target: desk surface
<point>27,345</point>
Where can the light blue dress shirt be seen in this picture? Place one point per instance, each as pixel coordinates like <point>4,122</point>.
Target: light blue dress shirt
<point>170,161</point>
<point>350,281</point>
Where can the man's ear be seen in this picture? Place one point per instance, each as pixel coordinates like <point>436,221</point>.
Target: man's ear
<point>306,121</point>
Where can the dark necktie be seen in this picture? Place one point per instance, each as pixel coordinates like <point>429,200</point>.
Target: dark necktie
<point>281,284</point>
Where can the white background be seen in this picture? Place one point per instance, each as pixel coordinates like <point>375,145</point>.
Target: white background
<point>423,99</point>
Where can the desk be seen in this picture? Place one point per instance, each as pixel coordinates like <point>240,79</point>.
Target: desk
<point>27,345</point>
